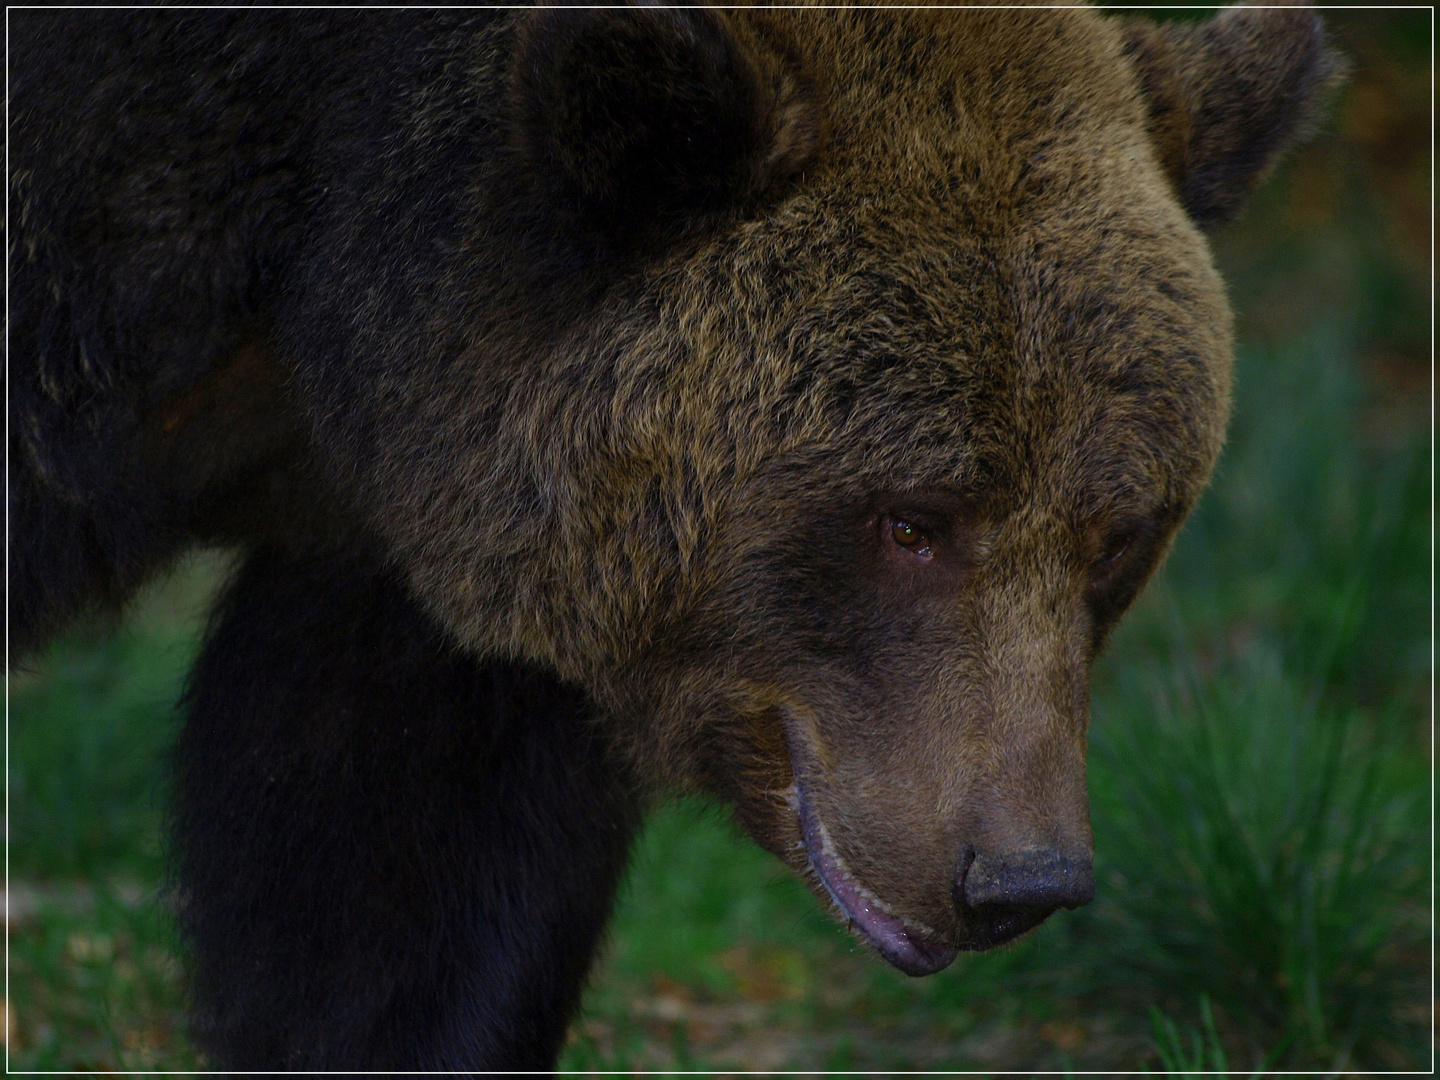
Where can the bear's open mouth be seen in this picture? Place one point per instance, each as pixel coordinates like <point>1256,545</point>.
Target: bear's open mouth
<point>900,946</point>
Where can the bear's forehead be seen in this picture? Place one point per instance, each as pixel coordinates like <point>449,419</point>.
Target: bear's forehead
<point>987,188</point>
<point>923,339</point>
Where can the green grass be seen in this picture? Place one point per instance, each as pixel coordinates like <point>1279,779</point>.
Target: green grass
<point>94,982</point>
<point>97,988</point>
<point>1259,774</point>
<point>85,797</point>
<point>1198,1050</point>
<point>1263,850</point>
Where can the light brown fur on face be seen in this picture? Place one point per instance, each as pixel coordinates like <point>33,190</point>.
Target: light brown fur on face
<point>968,299</point>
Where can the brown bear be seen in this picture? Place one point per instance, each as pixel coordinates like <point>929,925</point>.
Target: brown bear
<point>777,404</point>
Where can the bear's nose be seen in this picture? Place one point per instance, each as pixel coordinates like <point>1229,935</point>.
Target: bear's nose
<point>1036,878</point>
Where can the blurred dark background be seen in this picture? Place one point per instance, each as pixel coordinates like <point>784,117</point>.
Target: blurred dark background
<point>1261,742</point>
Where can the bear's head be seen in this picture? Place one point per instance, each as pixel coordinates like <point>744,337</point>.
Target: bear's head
<point>833,382</point>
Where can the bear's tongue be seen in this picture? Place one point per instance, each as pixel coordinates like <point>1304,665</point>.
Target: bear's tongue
<point>882,930</point>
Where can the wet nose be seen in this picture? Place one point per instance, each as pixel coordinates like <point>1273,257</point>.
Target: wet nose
<point>1038,879</point>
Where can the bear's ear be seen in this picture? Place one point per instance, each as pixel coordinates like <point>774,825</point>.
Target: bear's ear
<point>1227,97</point>
<point>641,118</point>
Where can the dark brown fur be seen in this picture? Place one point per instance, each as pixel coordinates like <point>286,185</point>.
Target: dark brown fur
<point>627,339</point>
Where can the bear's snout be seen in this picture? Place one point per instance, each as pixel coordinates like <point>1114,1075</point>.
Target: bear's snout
<point>998,897</point>
<point>1035,878</point>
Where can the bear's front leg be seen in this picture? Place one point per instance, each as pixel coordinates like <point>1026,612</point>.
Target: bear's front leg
<point>387,854</point>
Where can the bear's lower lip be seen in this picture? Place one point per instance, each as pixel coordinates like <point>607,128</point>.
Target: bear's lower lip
<point>885,933</point>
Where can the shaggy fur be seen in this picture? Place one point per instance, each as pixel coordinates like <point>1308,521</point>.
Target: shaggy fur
<point>369,877</point>
<point>783,404</point>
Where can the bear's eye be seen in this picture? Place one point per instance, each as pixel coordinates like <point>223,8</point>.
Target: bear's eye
<point>1117,547</point>
<point>1115,550</point>
<point>910,536</point>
